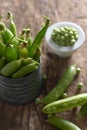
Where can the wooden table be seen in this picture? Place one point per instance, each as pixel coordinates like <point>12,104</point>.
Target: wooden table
<point>30,117</point>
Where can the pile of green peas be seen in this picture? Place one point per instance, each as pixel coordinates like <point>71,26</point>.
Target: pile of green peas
<point>64,36</point>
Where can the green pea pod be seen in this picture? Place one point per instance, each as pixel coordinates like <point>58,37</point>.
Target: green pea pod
<point>65,104</point>
<point>2,62</point>
<point>23,50</point>
<point>2,49</point>
<point>83,110</point>
<point>30,41</point>
<point>37,41</point>
<point>37,54</point>
<point>62,123</point>
<point>61,86</point>
<point>11,53</point>
<point>8,36</point>
<point>11,67</point>
<point>12,25</point>
<point>25,70</point>
<point>29,60</point>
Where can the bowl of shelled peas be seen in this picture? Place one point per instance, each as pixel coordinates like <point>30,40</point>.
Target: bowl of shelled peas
<point>20,74</point>
<point>65,38</point>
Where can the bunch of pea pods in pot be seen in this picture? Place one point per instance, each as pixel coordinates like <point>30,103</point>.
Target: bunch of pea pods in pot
<point>19,55</point>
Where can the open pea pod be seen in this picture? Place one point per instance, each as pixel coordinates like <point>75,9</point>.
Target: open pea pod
<point>37,41</point>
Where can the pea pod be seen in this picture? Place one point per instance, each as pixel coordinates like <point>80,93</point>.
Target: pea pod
<point>2,49</point>
<point>11,67</point>
<point>11,53</point>
<point>37,54</point>
<point>30,41</point>
<point>61,86</point>
<point>7,35</point>
<point>25,34</point>
<point>62,123</point>
<point>12,25</point>
<point>25,70</point>
<point>29,60</point>
<point>37,41</point>
<point>2,62</point>
<point>23,50</point>
<point>65,104</point>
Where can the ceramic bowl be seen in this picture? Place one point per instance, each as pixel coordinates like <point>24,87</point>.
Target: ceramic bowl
<point>63,51</point>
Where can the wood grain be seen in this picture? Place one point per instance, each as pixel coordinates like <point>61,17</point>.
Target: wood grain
<point>30,117</point>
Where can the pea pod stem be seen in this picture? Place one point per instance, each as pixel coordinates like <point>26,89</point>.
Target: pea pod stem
<point>21,40</point>
<point>37,41</point>
<point>62,123</point>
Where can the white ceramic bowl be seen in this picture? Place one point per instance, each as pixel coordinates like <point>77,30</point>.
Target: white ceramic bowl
<point>65,51</point>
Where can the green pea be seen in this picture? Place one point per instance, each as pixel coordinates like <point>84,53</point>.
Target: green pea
<point>65,34</point>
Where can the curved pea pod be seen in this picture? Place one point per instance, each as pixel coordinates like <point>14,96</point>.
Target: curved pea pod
<point>61,86</point>
<point>12,25</point>
<point>25,70</point>
<point>65,104</point>
<point>38,39</point>
<point>11,67</point>
<point>2,49</point>
<point>2,62</point>
<point>11,53</point>
<point>62,123</point>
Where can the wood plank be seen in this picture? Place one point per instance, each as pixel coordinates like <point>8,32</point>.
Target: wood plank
<point>30,117</point>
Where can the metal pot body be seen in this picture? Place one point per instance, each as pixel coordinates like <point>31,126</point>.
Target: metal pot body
<point>21,91</point>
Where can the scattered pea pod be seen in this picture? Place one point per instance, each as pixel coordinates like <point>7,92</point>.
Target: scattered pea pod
<point>62,123</point>
<point>61,86</point>
<point>65,104</point>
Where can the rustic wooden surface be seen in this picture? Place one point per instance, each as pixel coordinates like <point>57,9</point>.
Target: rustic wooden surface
<point>30,117</point>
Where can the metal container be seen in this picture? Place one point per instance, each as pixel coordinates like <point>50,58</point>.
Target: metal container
<point>21,91</point>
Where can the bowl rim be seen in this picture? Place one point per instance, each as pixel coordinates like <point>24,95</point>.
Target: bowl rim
<point>78,43</point>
